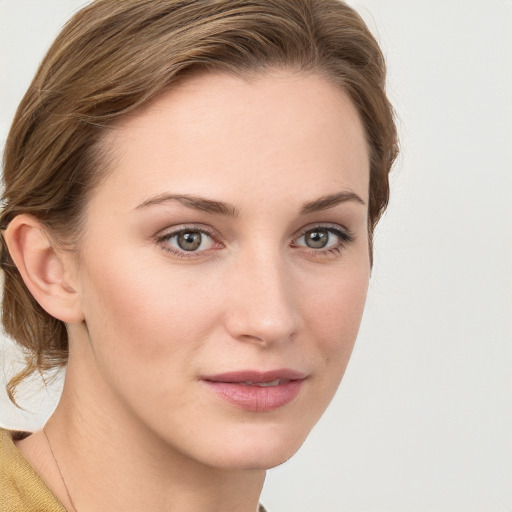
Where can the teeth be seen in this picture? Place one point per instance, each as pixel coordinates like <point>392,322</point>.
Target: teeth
<point>262,384</point>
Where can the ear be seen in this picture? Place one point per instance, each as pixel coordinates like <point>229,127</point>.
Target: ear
<point>47,272</point>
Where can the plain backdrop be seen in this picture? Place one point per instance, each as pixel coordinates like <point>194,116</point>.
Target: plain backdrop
<point>423,418</point>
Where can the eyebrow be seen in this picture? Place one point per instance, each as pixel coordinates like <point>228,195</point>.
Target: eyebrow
<point>226,209</point>
<point>329,201</point>
<point>196,202</point>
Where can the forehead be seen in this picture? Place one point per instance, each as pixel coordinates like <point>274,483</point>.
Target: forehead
<point>213,130</point>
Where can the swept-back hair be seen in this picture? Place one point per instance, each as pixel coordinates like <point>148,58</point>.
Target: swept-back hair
<point>114,56</point>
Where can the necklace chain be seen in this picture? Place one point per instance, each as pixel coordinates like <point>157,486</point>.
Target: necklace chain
<point>60,472</point>
<point>260,508</point>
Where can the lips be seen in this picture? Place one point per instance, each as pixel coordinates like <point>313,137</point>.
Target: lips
<point>257,391</point>
<point>272,383</point>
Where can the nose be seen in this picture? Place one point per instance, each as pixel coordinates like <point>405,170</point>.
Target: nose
<point>262,305</point>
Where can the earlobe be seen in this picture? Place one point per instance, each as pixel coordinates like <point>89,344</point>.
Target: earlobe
<point>44,268</point>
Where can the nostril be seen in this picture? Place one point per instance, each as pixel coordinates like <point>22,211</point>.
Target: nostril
<point>261,306</point>
<point>255,329</point>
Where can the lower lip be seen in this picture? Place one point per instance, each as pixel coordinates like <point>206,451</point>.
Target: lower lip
<point>257,398</point>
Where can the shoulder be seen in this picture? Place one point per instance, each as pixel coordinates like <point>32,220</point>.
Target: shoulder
<point>21,487</point>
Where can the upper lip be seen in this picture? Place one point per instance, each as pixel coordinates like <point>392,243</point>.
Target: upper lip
<point>256,376</point>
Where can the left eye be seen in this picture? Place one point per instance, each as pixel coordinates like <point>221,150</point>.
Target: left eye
<point>321,238</point>
<point>190,240</point>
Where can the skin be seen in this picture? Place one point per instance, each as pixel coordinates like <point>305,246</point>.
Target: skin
<point>254,296</point>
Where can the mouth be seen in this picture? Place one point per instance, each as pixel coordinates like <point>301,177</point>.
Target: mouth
<point>272,383</point>
<point>257,391</point>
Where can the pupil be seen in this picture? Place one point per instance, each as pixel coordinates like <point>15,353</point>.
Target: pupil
<point>317,239</point>
<point>189,240</point>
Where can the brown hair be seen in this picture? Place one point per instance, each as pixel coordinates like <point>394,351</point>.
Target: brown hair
<point>114,56</point>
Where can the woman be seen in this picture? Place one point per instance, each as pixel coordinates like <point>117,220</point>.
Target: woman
<point>191,189</point>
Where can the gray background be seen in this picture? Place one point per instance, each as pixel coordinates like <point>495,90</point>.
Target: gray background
<point>423,419</point>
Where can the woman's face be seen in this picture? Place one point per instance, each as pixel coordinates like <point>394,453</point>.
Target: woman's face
<point>224,265</point>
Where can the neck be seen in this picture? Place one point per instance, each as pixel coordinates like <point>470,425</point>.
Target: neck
<point>131,468</point>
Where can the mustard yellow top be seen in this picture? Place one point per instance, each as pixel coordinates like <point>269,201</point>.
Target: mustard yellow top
<point>21,488</point>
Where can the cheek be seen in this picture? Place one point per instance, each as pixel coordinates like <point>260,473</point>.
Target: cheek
<point>140,311</point>
<point>334,311</point>
<point>337,303</point>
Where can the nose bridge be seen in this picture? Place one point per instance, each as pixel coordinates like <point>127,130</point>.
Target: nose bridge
<point>262,306</point>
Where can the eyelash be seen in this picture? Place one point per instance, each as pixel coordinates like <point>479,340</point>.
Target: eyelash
<point>165,238</point>
<point>345,237</point>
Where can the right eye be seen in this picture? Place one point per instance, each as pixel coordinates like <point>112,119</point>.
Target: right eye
<point>187,240</point>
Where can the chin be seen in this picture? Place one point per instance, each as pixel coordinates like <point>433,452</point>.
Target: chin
<point>261,461</point>
<point>261,450</point>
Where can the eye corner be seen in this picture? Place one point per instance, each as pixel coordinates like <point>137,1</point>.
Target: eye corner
<point>188,242</point>
<point>321,243</point>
